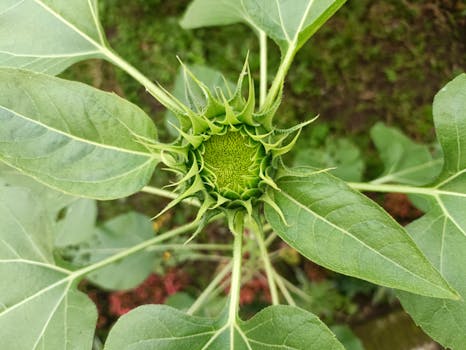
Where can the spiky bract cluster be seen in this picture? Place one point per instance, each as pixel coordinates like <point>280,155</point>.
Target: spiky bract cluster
<point>226,154</point>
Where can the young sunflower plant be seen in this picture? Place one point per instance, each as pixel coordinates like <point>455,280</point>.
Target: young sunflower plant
<point>77,142</point>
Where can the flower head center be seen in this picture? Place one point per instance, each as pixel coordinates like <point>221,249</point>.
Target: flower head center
<point>232,163</point>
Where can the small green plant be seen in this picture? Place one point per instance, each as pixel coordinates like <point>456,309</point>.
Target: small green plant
<point>65,144</point>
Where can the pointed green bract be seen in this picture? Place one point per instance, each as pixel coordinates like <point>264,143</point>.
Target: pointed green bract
<point>276,327</point>
<point>72,137</point>
<point>186,90</point>
<point>224,151</point>
<point>343,230</point>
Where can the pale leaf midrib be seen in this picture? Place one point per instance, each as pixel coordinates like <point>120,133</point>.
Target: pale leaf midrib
<point>37,263</point>
<point>12,7</point>
<point>35,295</point>
<point>99,46</point>
<point>39,56</point>
<point>448,215</point>
<point>51,315</point>
<point>26,234</point>
<point>76,138</point>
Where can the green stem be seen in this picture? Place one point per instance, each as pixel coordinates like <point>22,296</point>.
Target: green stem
<point>270,239</point>
<point>286,294</point>
<point>279,79</point>
<point>159,94</point>
<point>236,277</point>
<point>269,270</point>
<point>263,67</point>
<point>133,250</point>
<point>167,194</point>
<point>294,289</point>
<point>209,290</point>
<point>207,257</point>
<point>209,246</point>
<point>393,188</point>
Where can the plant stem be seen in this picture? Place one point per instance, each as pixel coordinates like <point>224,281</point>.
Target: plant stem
<point>269,270</point>
<point>207,257</point>
<point>286,294</point>
<point>159,94</point>
<point>279,79</point>
<point>209,246</point>
<point>137,248</point>
<point>263,67</point>
<point>393,188</point>
<point>294,289</point>
<point>270,239</point>
<point>209,289</point>
<point>236,277</point>
<point>167,194</point>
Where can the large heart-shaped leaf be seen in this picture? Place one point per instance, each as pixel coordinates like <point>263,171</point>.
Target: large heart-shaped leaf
<point>290,23</point>
<point>73,137</point>
<point>405,161</point>
<point>343,230</point>
<point>164,328</point>
<point>40,307</point>
<point>441,233</point>
<point>48,36</point>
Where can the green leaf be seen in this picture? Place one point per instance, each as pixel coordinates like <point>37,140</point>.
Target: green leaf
<point>341,154</point>
<point>180,300</point>
<point>346,336</point>
<point>53,201</point>
<point>276,327</point>
<point>406,162</point>
<point>40,307</point>
<point>72,137</point>
<point>205,13</point>
<point>78,224</point>
<point>341,229</point>
<point>441,233</point>
<point>116,235</point>
<point>48,36</point>
<point>450,124</point>
<point>289,23</point>
<point>445,245</point>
